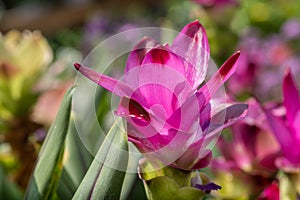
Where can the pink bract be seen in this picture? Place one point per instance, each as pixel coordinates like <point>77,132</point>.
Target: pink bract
<point>287,131</point>
<point>167,116</point>
<point>255,147</point>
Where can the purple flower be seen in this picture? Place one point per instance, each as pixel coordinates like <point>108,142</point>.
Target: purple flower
<point>262,61</point>
<point>100,27</point>
<point>287,131</point>
<point>291,29</point>
<point>249,65</point>
<point>208,187</point>
<point>168,117</point>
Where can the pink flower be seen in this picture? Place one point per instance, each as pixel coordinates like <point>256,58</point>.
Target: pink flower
<point>249,66</point>
<point>287,131</point>
<point>255,146</point>
<point>168,117</point>
<point>247,162</point>
<point>262,61</point>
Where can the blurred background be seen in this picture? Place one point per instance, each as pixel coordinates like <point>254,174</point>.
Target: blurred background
<point>41,39</point>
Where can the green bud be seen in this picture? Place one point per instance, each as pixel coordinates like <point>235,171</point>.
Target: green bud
<point>164,182</point>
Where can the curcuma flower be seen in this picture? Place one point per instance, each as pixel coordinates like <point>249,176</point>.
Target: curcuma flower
<point>168,116</point>
<point>253,158</point>
<point>287,131</point>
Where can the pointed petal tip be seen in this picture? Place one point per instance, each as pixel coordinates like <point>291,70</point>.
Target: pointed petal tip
<point>289,84</point>
<point>228,66</point>
<point>196,24</point>
<point>288,75</point>
<point>196,21</point>
<point>245,112</point>
<point>287,71</point>
<point>291,96</point>
<point>193,29</point>
<point>236,54</point>
<point>77,66</point>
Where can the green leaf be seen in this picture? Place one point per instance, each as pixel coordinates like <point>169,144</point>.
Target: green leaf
<point>66,186</point>
<point>75,164</point>
<point>137,192</point>
<point>101,181</point>
<point>47,171</point>
<point>131,179</point>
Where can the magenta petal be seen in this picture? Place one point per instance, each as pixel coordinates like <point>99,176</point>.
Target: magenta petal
<point>175,141</point>
<point>225,71</point>
<point>136,57</point>
<point>139,137</point>
<point>163,88</point>
<point>195,157</point>
<point>285,137</point>
<point>269,161</point>
<point>291,97</point>
<point>271,192</point>
<point>192,45</point>
<point>296,126</point>
<point>160,146</point>
<point>146,128</point>
<point>131,108</point>
<point>188,114</point>
<point>141,124</point>
<point>165,57</point>
<point>115,86</point>
<point>141,116</point>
